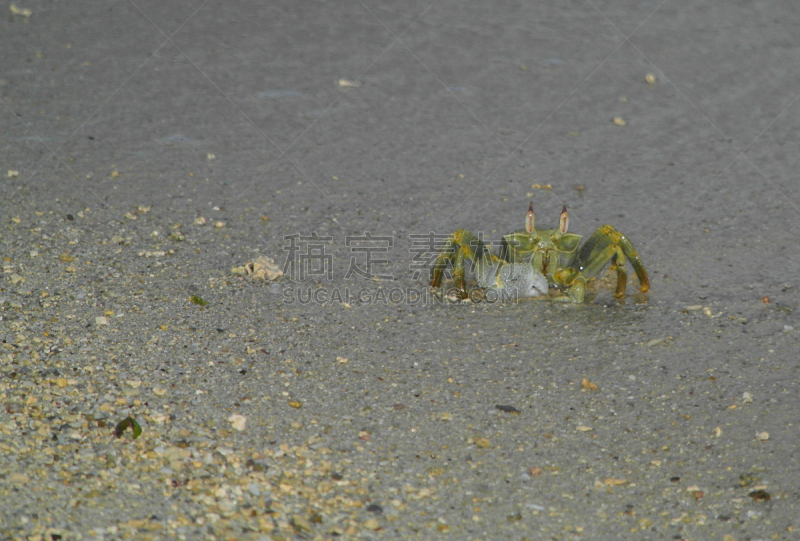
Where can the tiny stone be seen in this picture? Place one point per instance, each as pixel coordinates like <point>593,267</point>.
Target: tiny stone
<point>508,409</point>
<point>238,421</point>
<point>613,481</point>
<point>301,524</point>
<point>372,524</point>
<point>19,479</point>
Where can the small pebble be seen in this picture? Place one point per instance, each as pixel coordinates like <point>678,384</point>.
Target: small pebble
<point>483,443</point>
<point>238,421</point>
<point>372,524</point>
<point>612,481</point>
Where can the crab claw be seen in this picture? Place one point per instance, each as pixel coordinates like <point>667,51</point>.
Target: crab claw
<point>519,280</point>
<point>563,223</point>
<point>529,219</point>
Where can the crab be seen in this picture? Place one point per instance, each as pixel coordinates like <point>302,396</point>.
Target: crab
<point>533,261</point>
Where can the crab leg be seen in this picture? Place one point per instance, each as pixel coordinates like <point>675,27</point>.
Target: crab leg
<point>459,247</point>
<point>575,283</point>
<point>447,255</point>
<point>609,244</point>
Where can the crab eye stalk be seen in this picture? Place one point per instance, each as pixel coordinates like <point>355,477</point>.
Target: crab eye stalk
<point>529,219</point>
<point>563,223</point>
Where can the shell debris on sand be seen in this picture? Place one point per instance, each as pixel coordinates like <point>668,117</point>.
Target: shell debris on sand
<point>262,268</point>
<point>238,421</point>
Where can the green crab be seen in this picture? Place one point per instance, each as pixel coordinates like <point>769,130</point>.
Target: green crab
<point>532,261</point>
